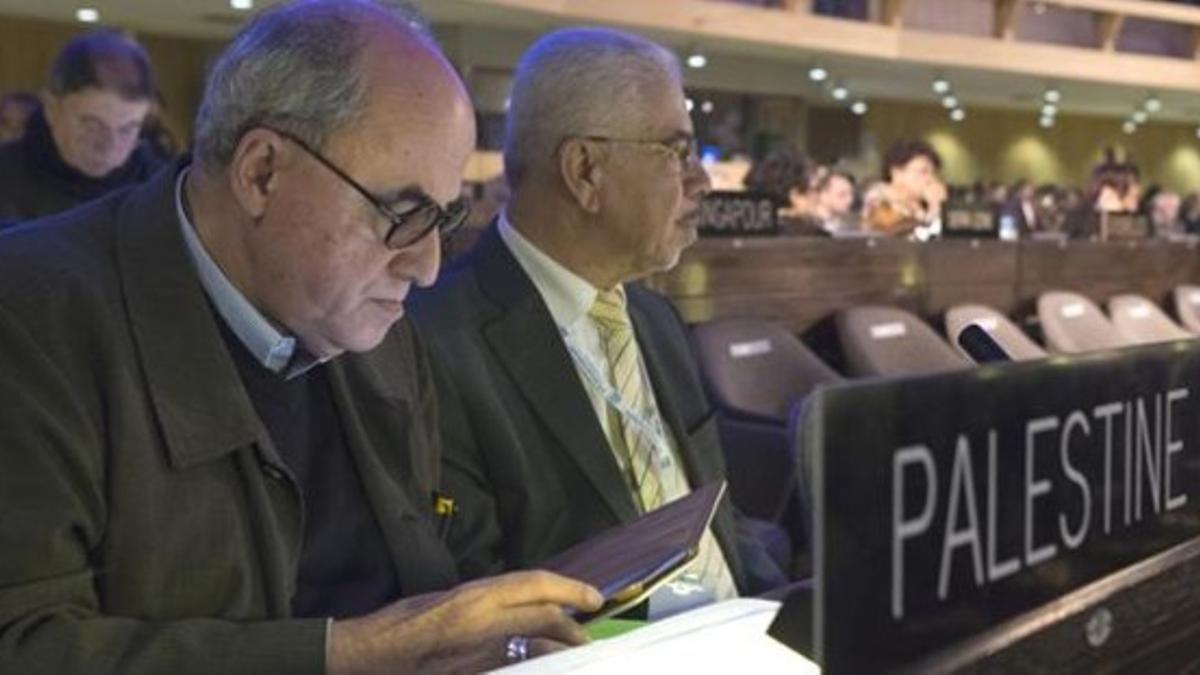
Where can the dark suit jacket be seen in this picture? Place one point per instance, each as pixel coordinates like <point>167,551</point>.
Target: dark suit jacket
<point>523,453</point>
<point>147,525</point>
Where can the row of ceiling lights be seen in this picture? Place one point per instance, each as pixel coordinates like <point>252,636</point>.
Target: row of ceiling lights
<point>1141,114</point>
<point>696,60</point>
<point>1049,104</point>
<point>838,90</point>
<point>92,15</point>
<point>943,88</point>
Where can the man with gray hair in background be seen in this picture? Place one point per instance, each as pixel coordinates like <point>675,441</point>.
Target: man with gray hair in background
<point>218,436</point>
<point>570,399</point>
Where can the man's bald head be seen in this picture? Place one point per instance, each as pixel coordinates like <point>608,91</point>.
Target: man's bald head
<point>307,68</point>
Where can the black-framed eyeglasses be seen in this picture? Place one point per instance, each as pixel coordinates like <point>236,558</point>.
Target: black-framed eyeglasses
<point>408,226</point>
<point>684,148</point>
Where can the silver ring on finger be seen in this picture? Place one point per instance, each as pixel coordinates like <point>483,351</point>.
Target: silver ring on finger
<point>516,649</point>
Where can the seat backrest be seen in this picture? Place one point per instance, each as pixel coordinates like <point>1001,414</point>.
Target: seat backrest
<point>1187,306</point>
<point>1142,322</point>
<point>1072,324</point>
<point>1011,338</point>
<point>886,341</point>
<point>757,368</point>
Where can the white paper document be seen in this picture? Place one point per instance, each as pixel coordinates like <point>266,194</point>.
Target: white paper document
<point>728,637</point>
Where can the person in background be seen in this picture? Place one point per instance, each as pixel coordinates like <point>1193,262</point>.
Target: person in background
<point>832,201</point>
<point>84,141</point>
<point>1114,187</point>
<point>16,107</point>
<point>909,203</point>
<point>785,176</point>
<point>1189,213</point>
<point>1163,214</point>
<point>1021,205</point>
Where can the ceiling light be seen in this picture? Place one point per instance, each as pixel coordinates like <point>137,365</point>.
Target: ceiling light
<point>950,101</point>
<point>1128,127</point>
<point>707,107</point>
<point>1046,122</point>
<point>1039,8</point>
<point>1152,105</point>
<point>87,14</point>
<point>817,74</point>
<point>941,85</point>
<point>696,59</point>
<point>1049,110</point>
<point>1052,96</point>
<point>839,92</point>
<point>1139,116</point>
<point>241,4</point>
<point>689,104</point>
<point>859,108</point>
<point>958,114</point>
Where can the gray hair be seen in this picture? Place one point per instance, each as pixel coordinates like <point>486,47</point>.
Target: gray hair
<point>580,81</point>
<point>295,68</point>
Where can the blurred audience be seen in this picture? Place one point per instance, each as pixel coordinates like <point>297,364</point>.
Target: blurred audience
<point>1020,204</point>
<point>1115,187</point>
<point>909,202</point>
<point>1163,214</point>
<point>16,107</point>
<point>784,175</point>
<point>84,140</point>
<point>832,201</point>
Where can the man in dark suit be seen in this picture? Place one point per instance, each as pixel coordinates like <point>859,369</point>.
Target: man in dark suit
<point>570,400</point>
<point>217,437</point>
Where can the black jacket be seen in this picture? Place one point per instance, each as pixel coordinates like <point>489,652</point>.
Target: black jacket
<point>523,453</point>
<point>36,182</point>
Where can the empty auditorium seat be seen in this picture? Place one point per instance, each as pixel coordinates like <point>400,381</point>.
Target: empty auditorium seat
<point>754,371</point>
<point>1005,332</point>
<point>1072,324</point>
<point>755,368</point>
<point>1187,307</point>
<point>1140,321</point>
<point>886,341</point>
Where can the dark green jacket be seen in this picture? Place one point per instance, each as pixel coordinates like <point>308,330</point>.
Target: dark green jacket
<point>146,523</point>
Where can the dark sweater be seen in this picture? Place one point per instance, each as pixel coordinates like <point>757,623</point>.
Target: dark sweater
<point>345,569</point>
<point>36,182</point>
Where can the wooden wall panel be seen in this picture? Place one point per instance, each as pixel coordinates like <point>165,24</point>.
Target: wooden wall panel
<point>796,282</point>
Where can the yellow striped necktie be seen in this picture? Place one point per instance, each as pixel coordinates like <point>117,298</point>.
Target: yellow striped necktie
<point>621,350</point>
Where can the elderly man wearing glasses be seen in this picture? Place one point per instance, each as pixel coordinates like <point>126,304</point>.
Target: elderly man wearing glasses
<point>217,435</point>
<point>570,402</point>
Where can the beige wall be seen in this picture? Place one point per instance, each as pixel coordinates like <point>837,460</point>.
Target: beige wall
<point>27,47</point>
<point>1008,144</point>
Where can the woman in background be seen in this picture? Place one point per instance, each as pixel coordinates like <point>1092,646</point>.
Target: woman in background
<point>909,201</point>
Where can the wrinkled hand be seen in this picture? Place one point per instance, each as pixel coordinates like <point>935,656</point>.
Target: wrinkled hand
<point>463,629</point>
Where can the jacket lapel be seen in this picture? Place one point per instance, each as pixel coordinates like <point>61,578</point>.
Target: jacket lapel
<point>526,341</point>
<point>194,386</point>
<point>660,366</point>
<point>394,453</point>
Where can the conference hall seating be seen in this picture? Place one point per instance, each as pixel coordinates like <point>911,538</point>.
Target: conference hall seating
<point>1072,324</point>
<point>888,342</point>
<point>1140,321</point>
<point>1008,335</point>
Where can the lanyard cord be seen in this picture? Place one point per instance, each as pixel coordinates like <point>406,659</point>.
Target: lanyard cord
<point>651,428</point>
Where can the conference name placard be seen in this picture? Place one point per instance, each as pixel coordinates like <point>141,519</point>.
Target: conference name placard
<point>946,504</point>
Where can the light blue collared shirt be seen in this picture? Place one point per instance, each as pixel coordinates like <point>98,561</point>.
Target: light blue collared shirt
<point>277,352</point>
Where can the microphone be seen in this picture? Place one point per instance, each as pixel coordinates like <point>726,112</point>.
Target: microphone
<point>981,346</point>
